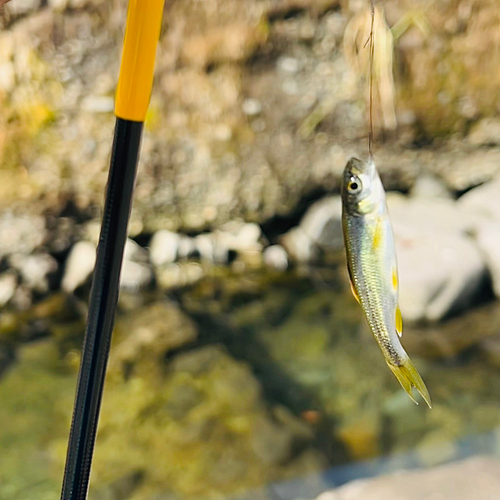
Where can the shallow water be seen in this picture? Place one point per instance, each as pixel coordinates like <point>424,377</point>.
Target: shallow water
<point>292,357</point>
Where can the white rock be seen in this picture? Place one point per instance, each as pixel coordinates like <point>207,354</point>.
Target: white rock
<point>8,284</point>
<point>299,245</point>
<point>34,270</point>
<point>440,268</point>
<point>276,257</point>
<point>79,265</point>
<point>205,246</point>
<point>251,107</point>
<point>323,223</point>
<point>133,251</point>
<point>135,276</point>
<point>7,77</point>
<point>237,237</point>
<point>186,247</point>
<point>429,186</point>
<point>163,247</point>
<point>98,104</point>
<point>178,275</point>
<point>488,240</point>
<point>485,132</point>
<point>21,234</point>
<point>479,203</point>
<point>476,478</point>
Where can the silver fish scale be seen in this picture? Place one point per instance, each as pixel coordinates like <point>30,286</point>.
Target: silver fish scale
<point>372,288</point>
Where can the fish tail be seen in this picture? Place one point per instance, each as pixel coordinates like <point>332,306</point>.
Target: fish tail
<point>408,377</point>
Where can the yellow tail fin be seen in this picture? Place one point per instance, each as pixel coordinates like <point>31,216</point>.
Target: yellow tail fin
<point>409,377</point>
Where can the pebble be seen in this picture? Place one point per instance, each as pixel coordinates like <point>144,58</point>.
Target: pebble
<point>98,104</point>
<point>163,247</point>
<point>251,107</point>
<point>135,276</point>
<point>79,266</point>
<point>21,234</point>
<point>178,275</point>
<point>486,132</point>
<point>34,270</point>
<point>276,257</point>
<point>8,284</point>
<point>299,245</point>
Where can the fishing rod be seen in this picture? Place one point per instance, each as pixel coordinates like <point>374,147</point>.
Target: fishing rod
<point>131,105</point>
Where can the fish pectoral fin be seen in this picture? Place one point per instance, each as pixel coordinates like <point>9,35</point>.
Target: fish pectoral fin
<point>351,282</point>
<point>399,322</point>
<point>409,377</point>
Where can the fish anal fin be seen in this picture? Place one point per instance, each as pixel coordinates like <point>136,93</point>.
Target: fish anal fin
<point>408,377</point>
<point>399,322</point>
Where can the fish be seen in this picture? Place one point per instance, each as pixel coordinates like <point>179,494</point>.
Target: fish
<point>372,266</point>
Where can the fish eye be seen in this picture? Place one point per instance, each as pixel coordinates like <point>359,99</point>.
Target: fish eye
<point>354,185</point>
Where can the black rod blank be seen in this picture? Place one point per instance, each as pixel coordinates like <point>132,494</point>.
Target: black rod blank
<point>103,300</point>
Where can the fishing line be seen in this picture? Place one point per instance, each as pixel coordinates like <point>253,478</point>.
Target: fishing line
<point>370,132</point>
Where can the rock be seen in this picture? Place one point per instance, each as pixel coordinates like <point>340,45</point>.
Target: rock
<point>455,336</point>
<point>472,479</point>
<point>323,224</point>
<point>163,247</point>
<point>17,9</point>
<point>146,336</point>
<point>134,252</point>
<point>429,186</point>
<point>299,245</point>
<point>239,237</point>
<point>79,266</point>
<point>8,284</point>
<point>319,230</point>
<point>276,257</point>
<point>178,275</point>
<point>21,234</point>
<point>485,132</point>
<point>98,103</point>
<point>135,276</point>
<point>435,448</point>
<point>488,241</point>
<point>34,270</point>
<point>477,203</point>
<point>440,269</point>
<point>7,77</point>
<point>186,247</point>
<point>205,246</point>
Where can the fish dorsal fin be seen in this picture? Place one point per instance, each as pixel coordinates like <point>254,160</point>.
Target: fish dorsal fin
<point>399,322</point>
<point>351,282</point>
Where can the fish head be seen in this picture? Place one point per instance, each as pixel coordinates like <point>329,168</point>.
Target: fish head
<point>361,188</point>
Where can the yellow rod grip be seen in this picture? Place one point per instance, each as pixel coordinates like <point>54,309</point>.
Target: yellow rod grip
<point>138,59</point>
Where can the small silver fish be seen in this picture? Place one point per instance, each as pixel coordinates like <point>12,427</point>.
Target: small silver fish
<point>371,261</point>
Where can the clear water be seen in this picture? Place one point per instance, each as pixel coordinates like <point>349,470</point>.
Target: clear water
<point>295,349</point>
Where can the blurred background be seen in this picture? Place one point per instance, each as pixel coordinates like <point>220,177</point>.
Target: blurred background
<point>241,366</point>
